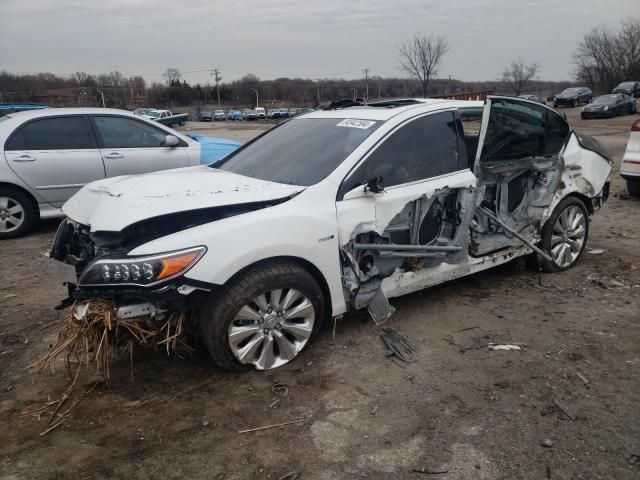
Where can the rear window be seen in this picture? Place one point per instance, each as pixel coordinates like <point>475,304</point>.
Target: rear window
<point>300,152</point>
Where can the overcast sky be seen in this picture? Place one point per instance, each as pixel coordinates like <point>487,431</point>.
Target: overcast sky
<point>306,38</point>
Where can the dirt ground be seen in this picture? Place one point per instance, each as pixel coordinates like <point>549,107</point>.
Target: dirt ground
<point>460,409</point>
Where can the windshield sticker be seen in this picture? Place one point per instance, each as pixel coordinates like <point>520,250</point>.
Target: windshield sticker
<point>354,123</point>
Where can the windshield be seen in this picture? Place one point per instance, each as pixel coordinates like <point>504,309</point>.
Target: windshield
<point>605,100</point>
<point>626,85</point>
<point>300,152</point>
<point>570,91</point>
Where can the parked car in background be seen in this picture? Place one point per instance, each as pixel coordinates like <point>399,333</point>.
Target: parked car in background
<point>143,112</point>
<point>251,115</point>
<point>534,98</point>
<point>261,112</point>
<point>273,113</point>
<point>303,111</point>
<point>368,212</point>
<point>628,88</point>
<point>7,108</point>
<point>572,97</point>
<point>630,166</point>
<point>283,113</point>
<point>219,115</point>
<point>292,112</point>
<point>48,155</point>
<point>235,115</point>
<point>206,116</point>
<point>167,117</point>
<point>608,106</point>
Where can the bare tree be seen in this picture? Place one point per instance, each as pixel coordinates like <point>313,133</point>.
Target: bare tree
<point>604,57</point>
<point>421,57</point>
<point>172,76</point>
<point>519,74</point>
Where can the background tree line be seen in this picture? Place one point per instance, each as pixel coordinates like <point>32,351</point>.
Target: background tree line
<point>603,58</point>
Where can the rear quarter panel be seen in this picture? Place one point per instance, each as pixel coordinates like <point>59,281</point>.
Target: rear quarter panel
<point>585,172</point>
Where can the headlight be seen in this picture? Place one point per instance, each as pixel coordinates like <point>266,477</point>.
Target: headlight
<point>143,271</point>
<point>606,108</point>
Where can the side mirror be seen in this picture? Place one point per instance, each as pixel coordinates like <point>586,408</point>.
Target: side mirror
<point>374,185</point>
<point>171,141</point>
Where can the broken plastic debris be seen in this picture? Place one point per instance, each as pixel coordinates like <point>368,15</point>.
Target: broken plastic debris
<point>80,310</point>
<point>493,346</point>
<point>399,345</point>
<point>596,251</point>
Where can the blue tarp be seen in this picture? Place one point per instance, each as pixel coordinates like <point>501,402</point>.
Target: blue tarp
<point>214,149</point>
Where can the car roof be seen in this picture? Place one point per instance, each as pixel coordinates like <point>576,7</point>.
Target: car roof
<point>52,112</point>
<point>422,105</point>
<point>18,118</point>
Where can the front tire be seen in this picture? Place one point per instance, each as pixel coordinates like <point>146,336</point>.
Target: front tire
<point>263,318</point>
<point>18,213</point>
<point>633,186</point>
<point>565,235</point>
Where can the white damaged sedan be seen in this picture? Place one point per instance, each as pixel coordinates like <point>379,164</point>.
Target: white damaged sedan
<point>333,211</point>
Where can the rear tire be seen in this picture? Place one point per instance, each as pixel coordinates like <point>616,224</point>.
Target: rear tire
<point>221,317</point>
<point>18,213</point>
<point>565,235</point>
<point>633,186</point>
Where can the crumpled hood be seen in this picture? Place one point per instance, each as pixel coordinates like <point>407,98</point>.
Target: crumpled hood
<point>114,203</point>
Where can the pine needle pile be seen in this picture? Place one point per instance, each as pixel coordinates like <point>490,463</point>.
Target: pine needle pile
<point>92,333</point>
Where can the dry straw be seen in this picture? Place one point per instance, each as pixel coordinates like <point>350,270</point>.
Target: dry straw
<point>92,333</point>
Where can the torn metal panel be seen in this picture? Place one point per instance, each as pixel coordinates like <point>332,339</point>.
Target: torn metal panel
<point>426,231</point>
<point>379,307</point>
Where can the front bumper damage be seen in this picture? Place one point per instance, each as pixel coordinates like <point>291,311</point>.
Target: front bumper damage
<point>74,247</point>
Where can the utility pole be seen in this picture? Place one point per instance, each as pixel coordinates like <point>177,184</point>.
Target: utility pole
<point>366,84</point>
<point>102,95</point>
<point>217,77</point>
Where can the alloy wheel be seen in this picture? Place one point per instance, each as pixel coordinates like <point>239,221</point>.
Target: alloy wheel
<point>272,328</point>
<point>11,214</point>
<point>568,236</point>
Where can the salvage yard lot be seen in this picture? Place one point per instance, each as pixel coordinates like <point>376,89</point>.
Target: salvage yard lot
<point>460,409</point>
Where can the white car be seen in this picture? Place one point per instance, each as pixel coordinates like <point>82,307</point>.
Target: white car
<point>334,211</point>
<point>48,155</point>
<point>630,167</point>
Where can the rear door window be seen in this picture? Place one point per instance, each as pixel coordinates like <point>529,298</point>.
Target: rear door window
<point>519,130</point>
<point>58,133</point>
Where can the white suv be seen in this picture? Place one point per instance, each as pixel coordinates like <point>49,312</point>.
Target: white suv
<point>333,211</point>
<point>630,167</point>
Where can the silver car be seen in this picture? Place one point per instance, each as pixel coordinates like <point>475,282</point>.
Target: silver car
<point>48,155</point>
